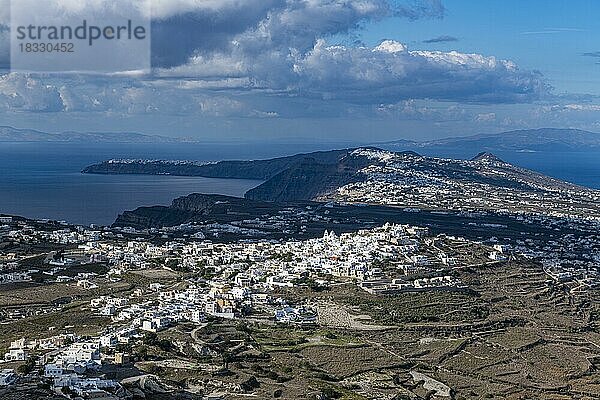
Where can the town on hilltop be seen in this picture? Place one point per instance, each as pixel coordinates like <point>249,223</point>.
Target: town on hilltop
<point>361,273</point>
<point>206,310</point>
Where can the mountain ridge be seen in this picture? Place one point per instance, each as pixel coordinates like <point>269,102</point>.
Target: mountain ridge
<point>10,134</point>
<point>305,176</point>
<point>542,139</point>
<point>400,179</point>
<point>308,181</point>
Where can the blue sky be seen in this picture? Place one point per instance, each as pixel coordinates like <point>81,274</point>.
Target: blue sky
<point>334,71</point>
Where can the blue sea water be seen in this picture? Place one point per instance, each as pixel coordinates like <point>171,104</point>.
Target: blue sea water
<point>43,180</point>
<point>581,168</point>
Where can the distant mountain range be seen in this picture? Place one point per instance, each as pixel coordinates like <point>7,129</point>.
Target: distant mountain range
<point>9,134</point>
<point>545,139</point>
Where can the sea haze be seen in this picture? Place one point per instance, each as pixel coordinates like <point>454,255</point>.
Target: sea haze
<point>43,180</point>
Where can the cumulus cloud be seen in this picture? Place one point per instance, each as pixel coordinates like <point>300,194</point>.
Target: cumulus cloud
<point>210,54</point>
<point>24,93</point>
<point>485,117</point>
<point>184,28</point>
<point>388,72</point>
<point>423,111</point>
<point>362,74</point>
<point>385,74</point>
<point>21,92</point>
<point>200,28</point>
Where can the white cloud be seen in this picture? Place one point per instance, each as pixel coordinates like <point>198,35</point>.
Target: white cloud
<point>485,117</point>
<point>362,75</point>
<point>217,57</point>
<point>386,73</point>
<point>581,107</point>
<point>423,111</point>
<point>391,46</point>
<point>123,96</point>
<point>28,94</point>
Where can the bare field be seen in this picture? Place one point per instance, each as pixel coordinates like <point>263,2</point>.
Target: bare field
<point>516,336</point>
<point>36,294</point>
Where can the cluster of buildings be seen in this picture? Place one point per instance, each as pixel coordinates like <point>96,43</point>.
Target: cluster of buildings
<point>15,276</point>
<point>231,280</point>
<point>410,180</point>
<point>423,183</point>
<point>67,362</point>
<point>224,280</point>
<point>28,234</point>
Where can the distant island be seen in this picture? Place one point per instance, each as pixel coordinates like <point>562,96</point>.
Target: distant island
<point>532,140</point>
<point>10,134</point>
<point>529,140</point>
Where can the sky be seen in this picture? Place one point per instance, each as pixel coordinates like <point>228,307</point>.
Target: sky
<point>332,71</point>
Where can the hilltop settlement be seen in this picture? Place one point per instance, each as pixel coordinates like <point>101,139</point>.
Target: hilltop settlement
<point>358,274</point>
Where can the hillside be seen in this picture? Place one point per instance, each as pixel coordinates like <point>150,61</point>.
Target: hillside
<point>483,183</point>
<point>195,208</point>
<point>399,179</point>
<point>369,165</point>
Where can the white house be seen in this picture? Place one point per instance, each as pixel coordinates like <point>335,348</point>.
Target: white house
<point>15,355</point>
<point>496,256</point>
<point>501,248</point>
<point>84,351</point>
<point>155,324</point>
<point>197,316</point>
<point>420,260</point>
<point>108,340</point>
<point>108,310</point>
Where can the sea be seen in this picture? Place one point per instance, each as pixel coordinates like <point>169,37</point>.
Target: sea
<point>581,168</point>
<point>44,180</point>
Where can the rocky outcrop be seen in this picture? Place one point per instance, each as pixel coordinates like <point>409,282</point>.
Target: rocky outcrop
<point>197,208</point>
<point>148,217</point>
